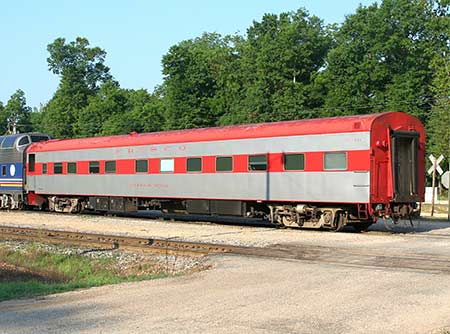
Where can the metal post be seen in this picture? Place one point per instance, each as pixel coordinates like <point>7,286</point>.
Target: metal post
<point>433,185</point>
<point>448,190</point>
<point>448,156</point>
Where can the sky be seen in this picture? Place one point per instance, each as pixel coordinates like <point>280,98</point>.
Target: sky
<point>134,33</point>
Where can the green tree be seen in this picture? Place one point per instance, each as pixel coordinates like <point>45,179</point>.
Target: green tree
<point>3,119</point>
<point>18,113</point>
<point>77,62</point>
<point>82,71</point>
<point>192,70</point>
<point>36,119</point>
<point>114,110</point>
<point>279,61</point>
<point>109,100</point>
<point>382,59</point>
<point>144,113</point>
<point>148,110</point>
<point>438,127</point>
<point>439,123</point>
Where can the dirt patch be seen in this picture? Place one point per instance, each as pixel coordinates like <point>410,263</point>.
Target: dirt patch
<point>11,273</point>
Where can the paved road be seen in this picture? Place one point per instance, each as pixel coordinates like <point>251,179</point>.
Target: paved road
<point>247,295</point>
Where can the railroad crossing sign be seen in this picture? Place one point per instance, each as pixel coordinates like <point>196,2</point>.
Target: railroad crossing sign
<point>435,162</point>
<point>434,168</point>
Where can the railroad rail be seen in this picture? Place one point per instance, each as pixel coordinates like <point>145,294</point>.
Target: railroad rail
<point>409,232</point>
<point>330,255</point>
<point>112,242</point>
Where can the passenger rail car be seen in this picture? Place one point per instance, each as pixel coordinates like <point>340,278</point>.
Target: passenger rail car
<point>315,173</point>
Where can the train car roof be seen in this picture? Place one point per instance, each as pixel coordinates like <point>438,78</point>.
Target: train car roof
<point>358,123</point>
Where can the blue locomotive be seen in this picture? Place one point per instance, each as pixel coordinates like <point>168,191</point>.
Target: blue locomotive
<point>12,174</point>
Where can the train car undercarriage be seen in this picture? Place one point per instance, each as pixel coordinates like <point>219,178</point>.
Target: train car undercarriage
<point>12,201</point>
<point>280,214</point>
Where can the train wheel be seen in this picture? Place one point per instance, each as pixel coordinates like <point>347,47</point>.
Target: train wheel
<point>340,221</point>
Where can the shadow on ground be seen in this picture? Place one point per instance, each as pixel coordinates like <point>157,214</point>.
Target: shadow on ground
<point>420,225</point>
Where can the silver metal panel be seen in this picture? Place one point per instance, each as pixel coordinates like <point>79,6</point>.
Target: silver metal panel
<point>10,156</point>
<point>349,187</point>
<point>340,187</point>
<point>311,143</point>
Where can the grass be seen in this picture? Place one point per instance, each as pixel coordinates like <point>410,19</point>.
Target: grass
<point>438,208</point>
<point>34,270</point>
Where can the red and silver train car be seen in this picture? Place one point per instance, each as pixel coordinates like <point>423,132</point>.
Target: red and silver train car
<point>327,172</point>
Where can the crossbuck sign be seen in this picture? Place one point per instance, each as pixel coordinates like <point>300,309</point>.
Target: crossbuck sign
<point>434,168</point>
<point>435,162</point>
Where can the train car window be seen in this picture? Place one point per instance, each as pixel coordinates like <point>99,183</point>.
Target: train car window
<point>35,139</point>
<point>335,161</point>
<point>23,141</point>
<point>141,166</point>
<point>8,142</point>
<point>194,164</point>
<point>257,162</point>
<point>167,165</point>
<point>110,166</point>
<point>57,168</point>
<point>94,167</point>
<point>224,164</point>
<point>71,167</point>
<point>31,162</point>
<point>3,170</point>
<point>44,168</point>
<point>294,161</point>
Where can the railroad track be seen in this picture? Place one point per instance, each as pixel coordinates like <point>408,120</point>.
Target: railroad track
<point>112,242</point>
<point>318,254</point>
<point>248,223</point>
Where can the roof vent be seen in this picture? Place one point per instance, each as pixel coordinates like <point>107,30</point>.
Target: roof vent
<point>133,133</point>
<point>357,125</point>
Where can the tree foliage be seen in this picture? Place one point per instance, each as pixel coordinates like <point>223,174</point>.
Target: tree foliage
<point>76,62</point>
<point>267,76</point>
<point>82,71</point>
<point>279,60</point>
<point>17,113</point>
<point>3,119</point>
<point>382,59</point>
<point>193,70</point>
<point>438,125</point>
<point>116,111</point>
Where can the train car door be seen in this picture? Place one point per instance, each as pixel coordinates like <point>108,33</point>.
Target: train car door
<point>404,150</point>
<point>30,179</point>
